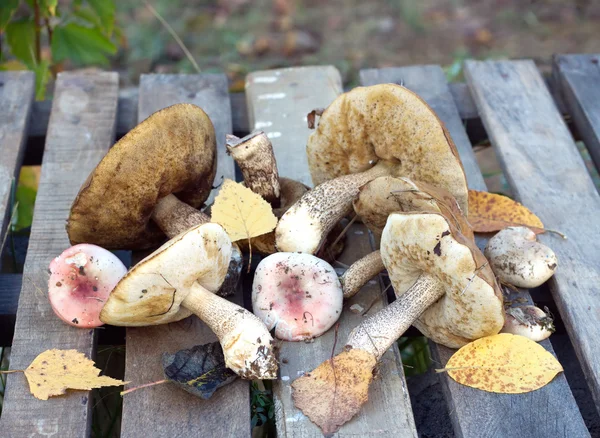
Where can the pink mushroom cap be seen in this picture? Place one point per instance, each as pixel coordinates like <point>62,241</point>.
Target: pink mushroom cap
<point>299,295</point>
<point>81,279</point>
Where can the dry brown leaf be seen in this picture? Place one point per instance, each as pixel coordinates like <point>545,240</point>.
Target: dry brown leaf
<point>331,395</point>
<point>503,363</point>
<point>489,212</point>
<point>54,371</point>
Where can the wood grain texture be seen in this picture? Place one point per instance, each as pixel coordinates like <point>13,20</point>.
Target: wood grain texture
<point>282,98</point>
<point>548,175</point>
<point>165,410</point>
<point>80,131</point>
<point>16,98</point>
<point>578,77</point>
<point>550,411</point>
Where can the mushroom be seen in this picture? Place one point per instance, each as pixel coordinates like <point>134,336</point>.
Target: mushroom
<point>446,289</point>
<point>297,295</point>
<point>81,279</point>
<point>179,279</point>
<point>529,321</point>
<point>361,271</point>
<point>518,259</point>
<point>129,202</point>
<point>366,133</point>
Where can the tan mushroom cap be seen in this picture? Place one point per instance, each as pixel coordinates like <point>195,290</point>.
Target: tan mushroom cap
<point>472,307</point>
<point>387,194</point>
<point>152,292</point>
<point>171,152</point>
<point>388,123</point>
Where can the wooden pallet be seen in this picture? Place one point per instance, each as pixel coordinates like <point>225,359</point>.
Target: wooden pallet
<point>538,156</point>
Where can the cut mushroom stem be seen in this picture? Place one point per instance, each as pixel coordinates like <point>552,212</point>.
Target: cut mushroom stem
<point>360,272</point>
<point>254,154</point>
<point>379,331</point>
<point>529,321</point>
<point>305,225</point>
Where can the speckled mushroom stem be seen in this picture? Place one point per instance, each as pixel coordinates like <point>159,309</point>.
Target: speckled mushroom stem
<point>360,272</point>
<point>254,154</point>
<point>305,225</point>
<point>247,344</point>
<point>379,331</point>
<point>174,217</point>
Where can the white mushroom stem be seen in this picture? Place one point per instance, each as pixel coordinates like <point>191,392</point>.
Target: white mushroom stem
<point>254,155</point>
<point>360,272</point>
<point>305,225</point>
<point>247,344</point>
<point>529,321</point>
<point>379,331</point>
<point>174,217</point>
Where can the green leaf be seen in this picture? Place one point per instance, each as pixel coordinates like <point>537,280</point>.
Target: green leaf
<point>42,76</point>
<point>20,36</point>
<point>6,10</point>
<point>106,12</point>
<point>80,44</point>
<point>48,7</point>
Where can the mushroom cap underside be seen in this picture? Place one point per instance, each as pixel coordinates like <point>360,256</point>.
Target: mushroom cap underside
<point>391,123</point>
<point>171,152</point>
<point>416,243</point>
<point>152,292</point>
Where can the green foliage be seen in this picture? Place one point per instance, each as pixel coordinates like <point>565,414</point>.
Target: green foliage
<point>263,409</point>
<point>81,32</point>
<point>415,354</point>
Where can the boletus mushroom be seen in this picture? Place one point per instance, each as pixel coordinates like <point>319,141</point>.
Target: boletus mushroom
<point>446,289</point>
<point>364,134</point>
<point>529,321</point>
<point>149,184</point>
<point>179,279</point>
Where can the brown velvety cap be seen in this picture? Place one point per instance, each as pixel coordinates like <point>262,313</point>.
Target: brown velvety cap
<point>171,152</point>
<point>391,123</point>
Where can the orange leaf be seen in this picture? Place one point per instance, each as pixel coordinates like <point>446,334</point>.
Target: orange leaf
<point>489,212</point>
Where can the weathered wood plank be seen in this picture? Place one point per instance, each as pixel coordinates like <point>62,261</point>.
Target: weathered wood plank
<point>80,131</point>
<point>16,98</point>
<point>477,413</point>
<point>166,411</point>
<point>278,102</point>
<point>547,174</point>
<point>579,79</point>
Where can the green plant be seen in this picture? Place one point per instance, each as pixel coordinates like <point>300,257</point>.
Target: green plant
<point>261,401</point>
<point>41,35</point>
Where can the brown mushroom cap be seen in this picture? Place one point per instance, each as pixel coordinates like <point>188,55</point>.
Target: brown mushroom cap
<point>427,243</point>
<point>171,152</point>
<point>389,123</point>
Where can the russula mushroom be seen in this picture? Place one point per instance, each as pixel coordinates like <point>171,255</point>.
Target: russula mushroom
<point>366,133</point>
<point>81,279</point>
<point>129,202</point>
<point>179,279</point>
<point>446,289</point>
<point>517,258</point>
<point>529,321</point>
<point>297,295</point>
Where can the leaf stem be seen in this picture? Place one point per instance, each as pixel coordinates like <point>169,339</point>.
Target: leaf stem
<point>36,18</point>
<point>135,388</point>
<point>12,371</point>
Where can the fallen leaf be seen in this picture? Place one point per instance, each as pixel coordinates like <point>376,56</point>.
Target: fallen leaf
<point>335,391</point>
<point>490,212</point>
<point>199,370</point>
<point>503,363</point>
<point>242,213</point>
<point>54,371</point>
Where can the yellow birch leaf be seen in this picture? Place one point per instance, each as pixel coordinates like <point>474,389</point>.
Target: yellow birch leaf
<point>242,213</point>
<point>53,371</point>
<point>490,212</point>
<point>503,363</point>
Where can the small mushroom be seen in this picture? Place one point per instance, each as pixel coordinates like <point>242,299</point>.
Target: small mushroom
<point>297,295</point>
<point>179,279</point>
<point>81,279</point>
<point>360,272</point>
<point>529,321</point>
<point>366,133</point>
<point>517,258</point>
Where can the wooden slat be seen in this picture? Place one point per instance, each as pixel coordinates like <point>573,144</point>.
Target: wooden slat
<point>579,79</point>
<point>16,97</point>
<point>547,174</point>
<point>477,413</point>
<point>166,411</point>
<point>278,101</point>
<point>80,131</point>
